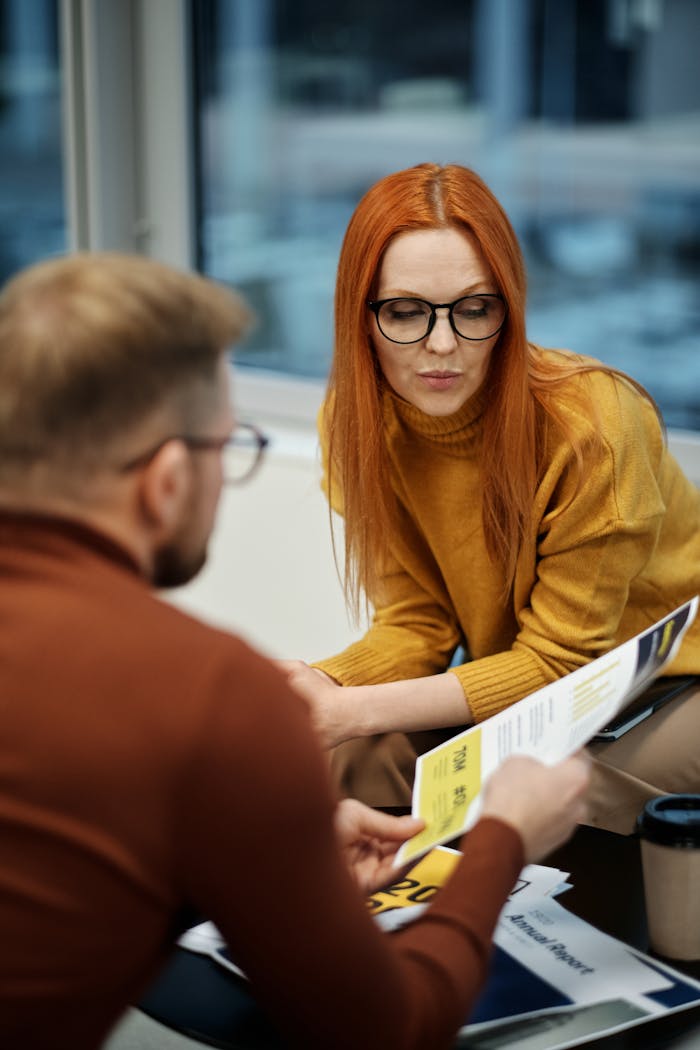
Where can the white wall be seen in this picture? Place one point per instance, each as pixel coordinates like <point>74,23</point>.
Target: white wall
<point>270,575</point>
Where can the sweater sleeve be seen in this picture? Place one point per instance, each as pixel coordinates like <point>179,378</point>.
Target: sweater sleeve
<point>595,533</point>
<point>258,856</point>
<point>414,634</point>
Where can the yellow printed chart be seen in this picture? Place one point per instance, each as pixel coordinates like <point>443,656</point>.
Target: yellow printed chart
<point>419,885</point>
<point>449,781</point>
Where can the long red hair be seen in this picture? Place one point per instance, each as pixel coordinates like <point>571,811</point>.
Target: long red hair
<point>520,381</point>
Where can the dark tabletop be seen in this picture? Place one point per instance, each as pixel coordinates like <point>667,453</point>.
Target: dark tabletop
<point>199,998</point>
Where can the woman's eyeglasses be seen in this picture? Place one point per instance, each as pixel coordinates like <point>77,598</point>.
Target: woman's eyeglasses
<point>473,317</point>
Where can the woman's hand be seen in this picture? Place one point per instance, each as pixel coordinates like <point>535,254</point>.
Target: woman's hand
<point>326,700</point>
<point>369,840</point>
<point>342,712</point>
<point>543,803</point>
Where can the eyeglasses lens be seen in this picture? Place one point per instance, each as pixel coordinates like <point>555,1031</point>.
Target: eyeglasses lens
<point>242,455</point>
<point>404,320</point>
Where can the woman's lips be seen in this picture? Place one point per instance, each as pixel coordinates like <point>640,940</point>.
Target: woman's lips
<point>439,380</point>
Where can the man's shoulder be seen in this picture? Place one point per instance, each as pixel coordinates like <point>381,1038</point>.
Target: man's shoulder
<point>145,650</point>
<point>181,644</point>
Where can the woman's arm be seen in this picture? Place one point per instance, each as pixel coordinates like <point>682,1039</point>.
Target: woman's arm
<point>343,712</point>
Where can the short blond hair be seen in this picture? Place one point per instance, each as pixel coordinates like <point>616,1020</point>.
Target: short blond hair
<point>94,344</point>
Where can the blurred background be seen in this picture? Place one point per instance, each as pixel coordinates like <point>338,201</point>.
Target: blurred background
<point>582,115</point>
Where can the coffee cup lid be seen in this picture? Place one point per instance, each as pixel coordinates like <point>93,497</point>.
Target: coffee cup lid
<point>671,820</point>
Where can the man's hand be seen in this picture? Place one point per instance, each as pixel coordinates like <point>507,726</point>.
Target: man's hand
<point>543,803</point>
<point>324,697</point>
<point>369,840</point>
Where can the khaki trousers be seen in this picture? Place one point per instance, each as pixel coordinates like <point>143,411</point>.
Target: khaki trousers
<point>659,756</point>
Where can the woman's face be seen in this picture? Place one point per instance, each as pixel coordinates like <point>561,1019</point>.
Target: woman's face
<point>439,373</point>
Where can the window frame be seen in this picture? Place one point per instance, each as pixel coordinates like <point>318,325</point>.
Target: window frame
<point>127,127</point>
<point>129,162</point>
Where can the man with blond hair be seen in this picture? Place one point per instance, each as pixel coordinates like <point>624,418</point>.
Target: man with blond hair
<point>150,764</point>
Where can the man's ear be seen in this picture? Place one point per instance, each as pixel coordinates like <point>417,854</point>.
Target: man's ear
<point>165,486</point>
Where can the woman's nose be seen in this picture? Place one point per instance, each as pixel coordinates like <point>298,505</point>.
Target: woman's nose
<point>442,339</point>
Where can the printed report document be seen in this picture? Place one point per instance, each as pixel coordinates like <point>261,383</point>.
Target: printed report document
<point>550,724</point>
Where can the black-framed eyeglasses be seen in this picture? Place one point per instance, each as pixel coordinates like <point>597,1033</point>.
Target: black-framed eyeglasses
<point>244,450</point>
<point>408,320</point>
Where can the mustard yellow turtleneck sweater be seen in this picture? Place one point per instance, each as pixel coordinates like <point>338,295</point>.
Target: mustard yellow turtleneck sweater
<point>623,553</point>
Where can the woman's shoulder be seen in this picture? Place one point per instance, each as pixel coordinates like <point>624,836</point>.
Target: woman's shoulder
<point>585,404</point>
<point>564,368</point>
<point>585,390</point>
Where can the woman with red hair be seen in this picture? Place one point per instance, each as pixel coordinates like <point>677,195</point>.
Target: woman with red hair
<point>513,504</point>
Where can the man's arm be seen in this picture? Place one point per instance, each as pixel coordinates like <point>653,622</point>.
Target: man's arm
<point>259,856</point>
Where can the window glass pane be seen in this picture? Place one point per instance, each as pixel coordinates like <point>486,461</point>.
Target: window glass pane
<point>583,118</point>
<point>32,219</point>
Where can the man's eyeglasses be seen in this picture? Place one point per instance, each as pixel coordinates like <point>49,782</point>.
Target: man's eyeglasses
<point>243,449</point>
<point>473,317</point>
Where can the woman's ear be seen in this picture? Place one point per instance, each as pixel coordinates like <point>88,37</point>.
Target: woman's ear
<point>165,486</point>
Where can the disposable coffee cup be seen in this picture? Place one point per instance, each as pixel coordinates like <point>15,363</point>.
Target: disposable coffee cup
<point>669,829</point>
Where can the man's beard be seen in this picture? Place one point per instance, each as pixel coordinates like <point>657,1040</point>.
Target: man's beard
<point>173,568</point>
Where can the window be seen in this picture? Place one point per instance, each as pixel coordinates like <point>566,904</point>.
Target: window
<point>583,118</point>
<point>32,218</point>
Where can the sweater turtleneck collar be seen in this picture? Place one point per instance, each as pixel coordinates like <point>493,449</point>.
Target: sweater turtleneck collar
<point>457,431</point>
<point>57,533</point>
